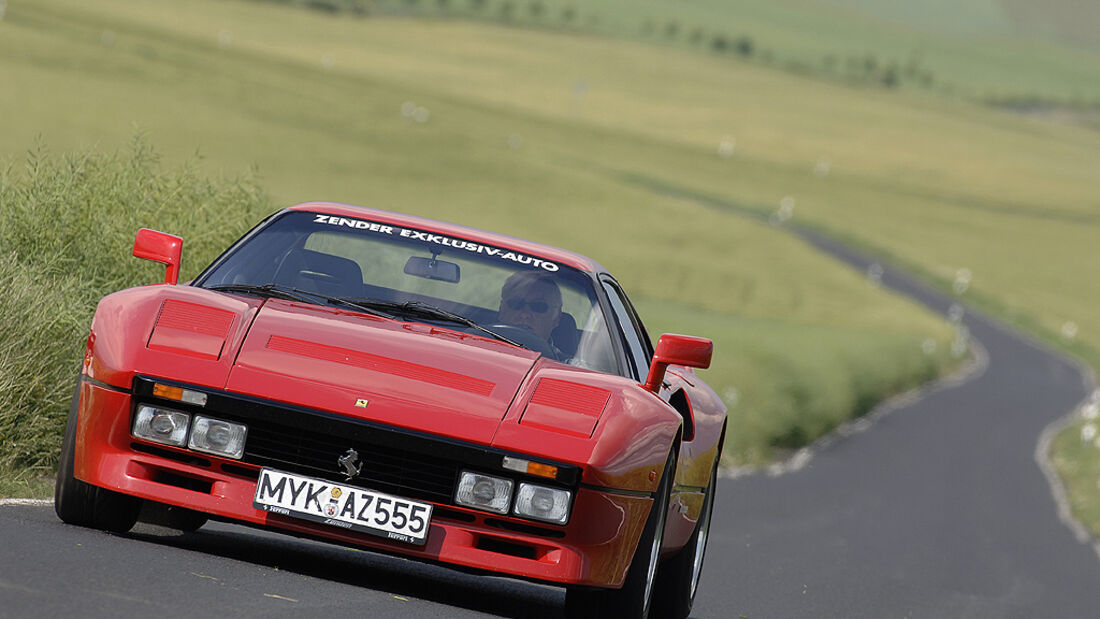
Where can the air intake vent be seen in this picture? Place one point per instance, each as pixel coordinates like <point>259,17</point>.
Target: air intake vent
<point>191,329</point>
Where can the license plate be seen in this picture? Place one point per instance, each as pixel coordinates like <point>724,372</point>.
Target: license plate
<point>343,506</point>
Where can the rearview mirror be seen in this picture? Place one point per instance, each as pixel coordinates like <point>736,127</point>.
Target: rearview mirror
<point>673,349</point>
<point>160,247</point>
<point>431,268</point>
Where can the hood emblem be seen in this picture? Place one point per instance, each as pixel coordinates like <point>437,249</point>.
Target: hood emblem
<point>350,462</point>
<point>362,403</point>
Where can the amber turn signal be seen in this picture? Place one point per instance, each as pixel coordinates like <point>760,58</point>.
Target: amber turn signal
<point>520,465</point>
<point>179,394</point>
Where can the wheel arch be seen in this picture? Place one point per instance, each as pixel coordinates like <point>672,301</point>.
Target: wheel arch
<point>680,402</point>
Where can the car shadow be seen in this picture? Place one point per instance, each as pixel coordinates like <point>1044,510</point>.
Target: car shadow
<point>502,597</point>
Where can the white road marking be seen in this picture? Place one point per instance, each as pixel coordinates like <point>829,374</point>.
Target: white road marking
<point>31,502</point>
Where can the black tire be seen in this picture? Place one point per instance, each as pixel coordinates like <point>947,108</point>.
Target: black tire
<point>172,516</point>
<point>186,520</point>
<point>82,504</point>
<point>633,600</point>
<point>678,577</point>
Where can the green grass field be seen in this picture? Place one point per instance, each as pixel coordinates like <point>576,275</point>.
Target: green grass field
<point>787,322</point>
<point>1074,456</point>
<point>999,49</point>
<point>644,156</point>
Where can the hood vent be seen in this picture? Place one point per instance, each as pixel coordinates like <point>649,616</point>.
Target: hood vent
<point>191,329</point>
<point>565,407</point>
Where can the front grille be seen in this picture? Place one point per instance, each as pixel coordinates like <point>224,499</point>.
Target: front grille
<point>309,442</point>
<point>385,468</point>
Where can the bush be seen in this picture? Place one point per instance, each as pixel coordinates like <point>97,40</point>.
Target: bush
<point>358,7</point>
<point>69,226</point>
<point>328,6</point>
<point>745,46</point>
<point>890,77</point>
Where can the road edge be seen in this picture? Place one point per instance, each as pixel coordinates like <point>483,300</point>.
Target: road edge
<point>1043,458</point>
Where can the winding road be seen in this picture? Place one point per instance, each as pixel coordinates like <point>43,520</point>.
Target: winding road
<point>937,506</point>
<point>941,508</point>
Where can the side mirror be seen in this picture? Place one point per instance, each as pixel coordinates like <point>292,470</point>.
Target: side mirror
<point>160,247</point>
<point>672,349</point>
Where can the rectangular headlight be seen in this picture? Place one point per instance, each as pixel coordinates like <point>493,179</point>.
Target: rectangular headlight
<point>542,503</point>
<point>492,494</point>
<point>221,438</point>
<point>161,425</point>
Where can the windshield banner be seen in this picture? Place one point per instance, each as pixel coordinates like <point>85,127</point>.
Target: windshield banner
<point>437,239</point>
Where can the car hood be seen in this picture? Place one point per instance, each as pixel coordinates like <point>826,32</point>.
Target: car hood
<point>410,375</point>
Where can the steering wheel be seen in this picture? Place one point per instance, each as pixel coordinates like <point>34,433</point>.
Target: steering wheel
<point>524,337</point>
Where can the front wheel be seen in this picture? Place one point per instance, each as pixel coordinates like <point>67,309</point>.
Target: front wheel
<point>678,578</point>
<point>83,504</point>
<point>172,516</point>
<point>633,600</point>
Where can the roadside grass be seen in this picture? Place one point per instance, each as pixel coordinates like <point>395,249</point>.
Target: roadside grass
<point>24,484</point>
<point>69,223</point>
<point>1074,455</point>
<point>787,383</point>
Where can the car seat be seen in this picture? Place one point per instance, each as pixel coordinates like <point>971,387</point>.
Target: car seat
<point>322,273</point>
<point>565,336</point>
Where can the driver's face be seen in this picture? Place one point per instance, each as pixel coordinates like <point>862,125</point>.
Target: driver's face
<point>535,305</point>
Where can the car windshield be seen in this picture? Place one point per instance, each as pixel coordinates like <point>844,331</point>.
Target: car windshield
<point>415,275</point>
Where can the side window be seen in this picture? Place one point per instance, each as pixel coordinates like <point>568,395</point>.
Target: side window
<point>639,351</point>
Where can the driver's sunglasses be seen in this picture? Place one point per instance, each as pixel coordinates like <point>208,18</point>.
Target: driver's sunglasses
<point>538,307</point>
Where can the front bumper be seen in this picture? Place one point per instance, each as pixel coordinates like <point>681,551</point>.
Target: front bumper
<point>593,549</point>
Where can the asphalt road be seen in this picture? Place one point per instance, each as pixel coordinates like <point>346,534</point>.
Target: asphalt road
<point>938,508</point>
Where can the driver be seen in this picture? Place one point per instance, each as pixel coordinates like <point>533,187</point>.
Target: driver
<point>531,299</point>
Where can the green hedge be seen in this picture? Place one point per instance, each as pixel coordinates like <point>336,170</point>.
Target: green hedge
<point>68,228</point>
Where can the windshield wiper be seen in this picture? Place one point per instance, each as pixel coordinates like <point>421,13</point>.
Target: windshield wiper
<point>384,309</point>
<point>419,309</point>
<point>294,294</point>
<point>347,303</point>
<point>266,290</point>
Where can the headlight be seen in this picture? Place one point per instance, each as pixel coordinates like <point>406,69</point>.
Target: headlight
<point>218,437</point>
<point>161,425</point>
<point>484,492</point>
<point>542,503</point>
